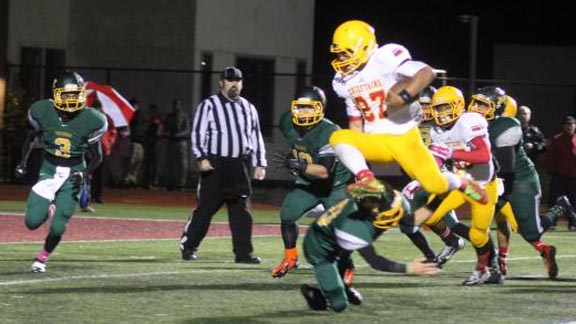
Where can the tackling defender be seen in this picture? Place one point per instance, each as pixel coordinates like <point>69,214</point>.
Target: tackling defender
<point>320,177</point>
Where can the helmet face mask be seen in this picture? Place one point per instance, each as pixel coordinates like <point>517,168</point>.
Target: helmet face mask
<point>307,108</point>
<point>425,100</point>
<point>447,105</point>
<point>386,210</point>
<point>353,42</point>
<point>489,102</point>
<point>69,92</point>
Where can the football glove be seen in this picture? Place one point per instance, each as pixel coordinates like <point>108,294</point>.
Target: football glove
<point>441,151</point>
<point>20,171</point>
<point>77,178</point>
<point>293,165</point>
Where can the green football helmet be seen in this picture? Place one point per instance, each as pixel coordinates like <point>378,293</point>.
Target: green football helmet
<point>69,92</point>
<point>489,101</point>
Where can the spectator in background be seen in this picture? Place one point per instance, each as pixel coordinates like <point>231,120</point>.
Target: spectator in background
<point>152,133</point>
<point>132,178</point>
<point>177,129</point>
<point>534,140</point>
<point>120,157</point>
<point>108,140</point>
<point>561,164</point>
<point>226,141</point>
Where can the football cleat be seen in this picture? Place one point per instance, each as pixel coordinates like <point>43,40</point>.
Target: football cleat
<point>473,190</point>
<point>314,297</point>
<point>38,266</point>
<point>568,209</point>
<point>549,258</point>
<point>189,254</point>
<point>286,265</point>
<point>496,277</point>
<point>367,185</point>
<point>448,252</point>
<point>477,278</point>
<point>354,296</point>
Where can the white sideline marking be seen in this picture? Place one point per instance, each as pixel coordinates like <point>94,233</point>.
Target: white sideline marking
<point>107,276</point>
<point>132,240</point>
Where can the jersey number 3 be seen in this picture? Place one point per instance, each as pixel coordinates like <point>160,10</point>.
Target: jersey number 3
<point>376,98</point>
<point>63,147</point>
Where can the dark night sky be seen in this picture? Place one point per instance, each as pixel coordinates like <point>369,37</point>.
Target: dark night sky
<point>433,34</point>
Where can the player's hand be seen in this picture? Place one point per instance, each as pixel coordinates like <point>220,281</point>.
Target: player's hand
<point>441,151</point>
<point>77,178</point>
<point>20,171</point>
<point>420,267</point>
<point>294,165</point>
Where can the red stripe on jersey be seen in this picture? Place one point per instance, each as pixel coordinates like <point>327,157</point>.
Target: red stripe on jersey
<point>397,51</point>
<point>477,128</point>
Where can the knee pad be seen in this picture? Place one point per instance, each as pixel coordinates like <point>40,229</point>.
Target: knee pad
<point>477,237</point>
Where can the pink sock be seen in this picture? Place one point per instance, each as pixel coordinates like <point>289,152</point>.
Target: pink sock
<point>42,256</point>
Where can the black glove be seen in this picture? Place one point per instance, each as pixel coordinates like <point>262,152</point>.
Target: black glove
<point>77,178</point>
<point>20,171</point>
<point>293,165</point>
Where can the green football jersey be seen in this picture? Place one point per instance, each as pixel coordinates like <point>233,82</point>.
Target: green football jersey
<point>66,139</point>
<point>312,147</point>
<point>506,131</point>
<point>287,127</point>
<point>424,128</point>
<point>343,227</point>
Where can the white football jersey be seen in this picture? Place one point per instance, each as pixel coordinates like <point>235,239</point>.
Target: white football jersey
<point>365,90</point>
<point>469,126</point>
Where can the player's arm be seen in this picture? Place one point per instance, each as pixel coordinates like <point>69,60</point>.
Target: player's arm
<point>96,157</point>
<point>27,146</point>
<point>323,169</point>
<point>416,267</point>
<point>418,76</point>
<point>506,157</point>
<point>480,152</point>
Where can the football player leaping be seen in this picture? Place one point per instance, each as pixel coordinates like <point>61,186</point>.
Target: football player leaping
<point>383,120</point>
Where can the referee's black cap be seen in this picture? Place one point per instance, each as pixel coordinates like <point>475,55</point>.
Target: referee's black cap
<point>231,74</point>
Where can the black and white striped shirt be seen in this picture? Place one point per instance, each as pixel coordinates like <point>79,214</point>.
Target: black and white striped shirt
<point>227,129</point>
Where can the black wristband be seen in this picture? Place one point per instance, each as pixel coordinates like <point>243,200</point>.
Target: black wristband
<point>406,96</point>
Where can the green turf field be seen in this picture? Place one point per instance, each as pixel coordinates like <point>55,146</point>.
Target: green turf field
<point>145,282</point>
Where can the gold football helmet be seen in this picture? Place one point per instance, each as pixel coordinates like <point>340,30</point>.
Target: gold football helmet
<point>447,105</point>
<point>307,108</point>
<point>352,43</point>
<point>69,91</point>
<point>511,107</point>
<point>489,102</point>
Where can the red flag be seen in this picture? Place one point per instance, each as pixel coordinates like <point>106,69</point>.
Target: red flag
<point>113,104</point>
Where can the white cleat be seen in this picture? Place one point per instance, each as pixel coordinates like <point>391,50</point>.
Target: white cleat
<point>38,267</point>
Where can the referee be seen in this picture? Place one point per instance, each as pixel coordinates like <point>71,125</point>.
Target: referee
<point>226,141</point>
